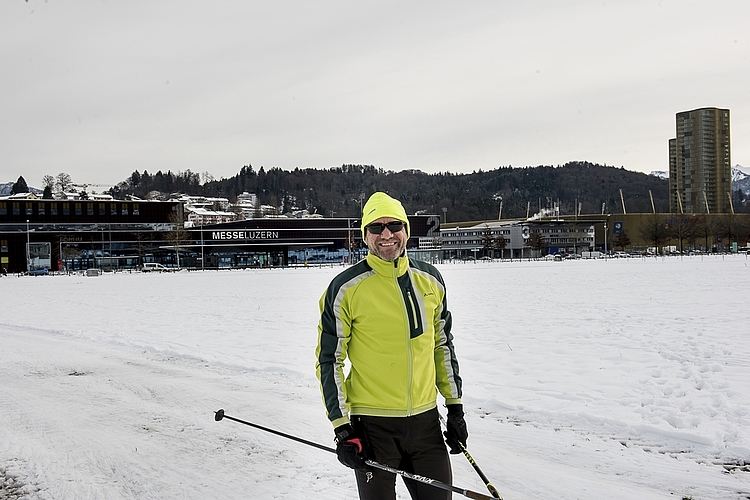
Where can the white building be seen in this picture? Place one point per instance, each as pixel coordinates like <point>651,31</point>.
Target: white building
<point>206,202</point>
<point>473,241</point>
<point>248,205</point>
<point>197,217</point>
<point>556,236</point>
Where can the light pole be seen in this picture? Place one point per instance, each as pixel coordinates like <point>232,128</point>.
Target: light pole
<point>117,262</point>
<point>361,197</point>
<point>28,244</point>
<point>605,236</point>
<point>101,261</point>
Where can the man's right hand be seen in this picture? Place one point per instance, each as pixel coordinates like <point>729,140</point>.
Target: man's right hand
<point>349,447</point>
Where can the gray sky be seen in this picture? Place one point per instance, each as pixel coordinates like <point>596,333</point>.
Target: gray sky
<point>100,88</point>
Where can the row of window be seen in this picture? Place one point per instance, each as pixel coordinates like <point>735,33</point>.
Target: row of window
<point>564,230</point>
<point>474,233</point>
<point>586,239</point>
<point>462,242</point>
<point>68,208</point>
<point>570,240</point>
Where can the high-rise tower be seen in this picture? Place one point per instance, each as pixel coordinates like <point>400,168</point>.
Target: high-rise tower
<point>700,168</point>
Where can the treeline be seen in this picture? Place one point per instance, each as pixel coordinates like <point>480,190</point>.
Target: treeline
<point>339,191</point>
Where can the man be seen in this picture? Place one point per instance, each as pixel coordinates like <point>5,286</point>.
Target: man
<point>388,315</point>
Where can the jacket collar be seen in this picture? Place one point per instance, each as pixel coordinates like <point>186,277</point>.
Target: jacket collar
<point>386,268</point>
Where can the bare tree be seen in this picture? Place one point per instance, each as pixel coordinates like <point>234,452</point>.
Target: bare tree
<point>178,236</point>
<point>681,229</point>
<point>731,227</point>
<point>48,181</point>
<point>206,177</point>
<point>237,211</point>
<point>63,181</point>
<point>705,228</point>
<point>653,230</point>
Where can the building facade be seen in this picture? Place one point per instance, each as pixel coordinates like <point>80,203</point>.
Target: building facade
<point>517,239</point>
<point>700,168</point>
<point>79,234</point>
<point>62,235</point>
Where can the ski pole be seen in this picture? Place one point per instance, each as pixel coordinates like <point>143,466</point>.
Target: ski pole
<point>490,487</point>
<point>487,482</point>
<point>220,415</point>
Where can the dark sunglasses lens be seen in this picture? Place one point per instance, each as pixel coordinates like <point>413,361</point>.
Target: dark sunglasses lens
<point>393,227</point>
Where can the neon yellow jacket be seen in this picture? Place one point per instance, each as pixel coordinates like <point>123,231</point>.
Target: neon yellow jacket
<point>391,320</point>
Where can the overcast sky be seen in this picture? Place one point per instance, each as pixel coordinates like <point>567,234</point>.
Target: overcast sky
<point>100,88</point>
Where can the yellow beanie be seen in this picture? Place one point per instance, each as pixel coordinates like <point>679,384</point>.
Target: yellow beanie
<point>381,205</point>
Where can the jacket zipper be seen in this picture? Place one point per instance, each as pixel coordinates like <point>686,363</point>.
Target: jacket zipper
<point>410,366</point>
<point>413,309</point>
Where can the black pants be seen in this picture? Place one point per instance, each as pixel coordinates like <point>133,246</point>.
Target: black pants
<point>413,444</point>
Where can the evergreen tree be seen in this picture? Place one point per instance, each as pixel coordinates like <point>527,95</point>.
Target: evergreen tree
<point>621,240</point>
<point>19,186</point>
<point>500,243</point>
<point>488,241</point>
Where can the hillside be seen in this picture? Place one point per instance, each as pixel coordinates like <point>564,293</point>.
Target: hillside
<point>475,196</point>
<point>471,196</point>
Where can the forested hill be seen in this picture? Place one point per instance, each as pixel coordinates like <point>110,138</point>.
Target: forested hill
<point>475,196</point>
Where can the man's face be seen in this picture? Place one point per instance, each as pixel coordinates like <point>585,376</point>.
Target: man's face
<point>386,245</point>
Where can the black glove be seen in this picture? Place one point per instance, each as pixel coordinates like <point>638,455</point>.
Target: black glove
<point>349,447</point>
<point>456,431</point>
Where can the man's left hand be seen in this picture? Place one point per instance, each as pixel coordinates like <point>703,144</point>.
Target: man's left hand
<point>456,431</point>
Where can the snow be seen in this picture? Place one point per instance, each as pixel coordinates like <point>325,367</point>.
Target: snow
<point>585,379</point>
<point>740,178</point>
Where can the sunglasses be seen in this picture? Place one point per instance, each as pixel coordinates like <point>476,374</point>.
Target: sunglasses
<point>377,227</point>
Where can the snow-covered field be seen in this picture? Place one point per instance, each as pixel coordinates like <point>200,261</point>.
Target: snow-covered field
<point>618,379</point>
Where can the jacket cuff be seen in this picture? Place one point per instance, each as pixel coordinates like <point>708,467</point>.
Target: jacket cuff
<point>340,421</point>
<point>452,401</point>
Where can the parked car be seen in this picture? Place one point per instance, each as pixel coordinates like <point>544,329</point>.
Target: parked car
<point>38,272</point>
<point>154,266</point>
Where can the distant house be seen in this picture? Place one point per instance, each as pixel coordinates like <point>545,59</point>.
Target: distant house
<point>202,217</point>
<point>21,196</point>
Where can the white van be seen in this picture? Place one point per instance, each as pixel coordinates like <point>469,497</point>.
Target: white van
<point>153,266</point>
